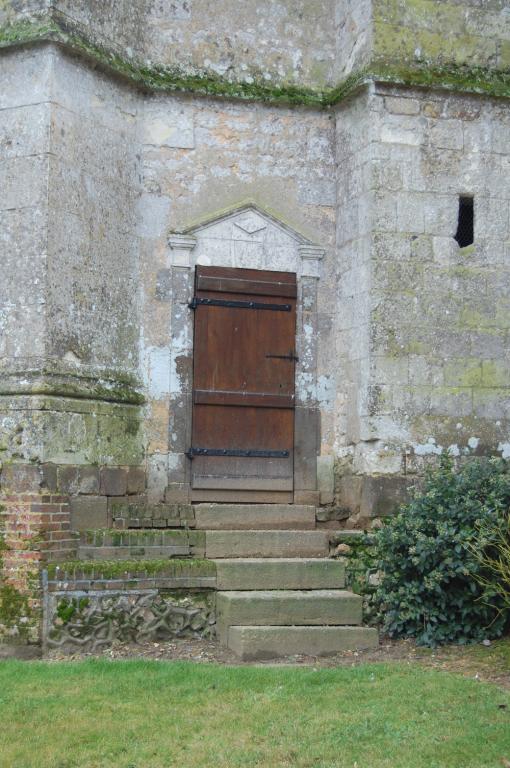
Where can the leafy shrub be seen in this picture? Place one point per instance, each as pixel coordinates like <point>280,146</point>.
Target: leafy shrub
<point>362,573</point>
<point>493,554</point>
<point>431,585</point>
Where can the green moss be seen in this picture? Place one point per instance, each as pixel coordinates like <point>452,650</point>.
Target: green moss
<point>494,374</point>
<point>13,605</point>
<point>144,537</point>
<point>27,30</point>
<point>451,75</point>
<point>119,569</point>
<point>3,545</point>
<point>114,387</point>
<point>68,608</point>
<point>15,612</point>
<point>463,373</point>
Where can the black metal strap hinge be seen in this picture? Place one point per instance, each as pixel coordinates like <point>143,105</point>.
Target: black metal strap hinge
<point>249,454</point>
<point>291,356</point>
<point>196,302</point>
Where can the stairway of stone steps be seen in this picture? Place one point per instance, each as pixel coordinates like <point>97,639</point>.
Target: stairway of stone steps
<point>279,592</point>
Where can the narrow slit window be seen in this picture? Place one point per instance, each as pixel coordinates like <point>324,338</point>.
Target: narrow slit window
<point>466,225</point>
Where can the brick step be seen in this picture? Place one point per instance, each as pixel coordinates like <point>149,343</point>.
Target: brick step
<point>279,573</point>
<point>107,544</point>
<point>286,608</point>
<point>254,516</point>
<point>251,643</point>
<point>275,543</point>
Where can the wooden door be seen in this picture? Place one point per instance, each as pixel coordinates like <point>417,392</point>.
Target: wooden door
<point>243,385</point>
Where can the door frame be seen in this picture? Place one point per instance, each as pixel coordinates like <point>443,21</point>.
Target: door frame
<point>286,251</point>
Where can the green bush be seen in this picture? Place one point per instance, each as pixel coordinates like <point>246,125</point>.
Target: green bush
<point>493,554</point>
<point>431,582</point>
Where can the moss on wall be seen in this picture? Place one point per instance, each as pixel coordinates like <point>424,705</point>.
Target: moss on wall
<point>120,569</point>
<point>71,431</point>
<point>453,74</point>
<point>18,621</point>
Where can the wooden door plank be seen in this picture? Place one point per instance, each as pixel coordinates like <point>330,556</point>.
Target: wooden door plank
<point>252,287</point>
<point>244,399</point>
<point>243,483</point>
<point>237,273</point>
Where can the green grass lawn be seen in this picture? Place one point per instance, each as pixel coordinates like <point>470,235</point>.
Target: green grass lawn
<point>138,714</point>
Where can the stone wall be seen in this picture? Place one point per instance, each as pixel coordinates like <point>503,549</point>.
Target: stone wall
<point>411,332</point>
<point>438,32</point>
<point>24,139</point>
<point>201,159</point>
<point>353,37</point>
<point>87,607</point>
<point>309,53</point>
<point>286,41</point>
<point>440,320</point>
<point>92,279</point>
<point>435,347</point>
<point>69,384</point>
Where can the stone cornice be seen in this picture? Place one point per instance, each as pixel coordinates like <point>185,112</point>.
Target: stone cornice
<point>85,385</point>
<point>417,73</point>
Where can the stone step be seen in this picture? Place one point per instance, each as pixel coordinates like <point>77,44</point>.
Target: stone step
<point>253,643</point>
<point>279,573</point>
<point>286,608</point>
<point>107,544</point>
<point>254,516</point>
<point>230,544</point>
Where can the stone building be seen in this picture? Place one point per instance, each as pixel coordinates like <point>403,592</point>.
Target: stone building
<point>169,166</point>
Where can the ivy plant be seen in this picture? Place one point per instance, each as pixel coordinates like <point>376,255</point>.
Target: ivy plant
<point>432,586</point>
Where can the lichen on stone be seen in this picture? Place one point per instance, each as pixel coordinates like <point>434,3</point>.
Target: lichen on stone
<point>430,73</point>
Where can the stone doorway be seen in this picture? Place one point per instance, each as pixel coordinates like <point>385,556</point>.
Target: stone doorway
<point>244,238</point>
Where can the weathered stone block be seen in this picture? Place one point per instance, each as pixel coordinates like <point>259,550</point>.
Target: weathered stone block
<point>326,478</point>
<point>135,480</point>
<point>164,285</point>
<point>229,544</point>
<point>113,481</point>
<point>89,480</point>
<point>19,478</point>
<point>349,492</point>
<point>69,479</point>
<point>252,643</point>
<point>306,443</point>
<point>381,496</point>
<point>127,507</point>
<point>308,498</point>
<point>254,516</point>
<point>89,512</point>
<point>49,477</point>
<point>402,106</point>
<point>177,493</point>
<point>297,573</point>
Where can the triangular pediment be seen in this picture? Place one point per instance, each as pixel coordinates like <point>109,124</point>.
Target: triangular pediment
<point>248,219</point>
<point>246,236</point>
